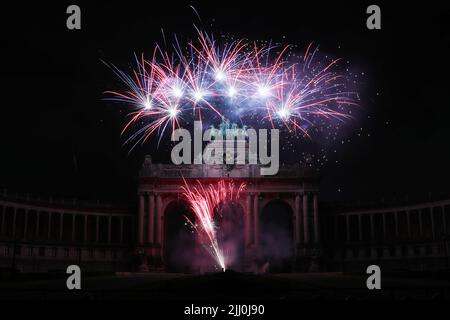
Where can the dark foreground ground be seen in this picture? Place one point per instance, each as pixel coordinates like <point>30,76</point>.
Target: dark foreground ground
<point>224,287</point>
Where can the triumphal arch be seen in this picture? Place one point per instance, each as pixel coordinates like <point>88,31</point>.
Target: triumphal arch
<point>292,194</point>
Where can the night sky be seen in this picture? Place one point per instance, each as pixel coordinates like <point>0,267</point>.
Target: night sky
<point>59,137</point>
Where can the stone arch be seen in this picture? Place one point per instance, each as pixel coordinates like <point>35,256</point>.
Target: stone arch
<point>168,199</point>
<point>179,238</point>
<point>271,197</point>
<point>277,235</point>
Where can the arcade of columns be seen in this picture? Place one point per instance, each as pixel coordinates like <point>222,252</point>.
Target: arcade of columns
<point>435,213</point>
<point>47,231</point>
<point>152,208</point>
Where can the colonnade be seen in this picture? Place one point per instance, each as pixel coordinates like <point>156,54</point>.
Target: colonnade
<point>431,221</point>
<point>57,224</point>
<point>306,224</point>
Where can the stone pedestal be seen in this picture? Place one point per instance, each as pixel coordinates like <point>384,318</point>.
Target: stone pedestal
<point>142,260</point>
<point>149,258</point>
<point>308,259</point>
<point>314,264</point>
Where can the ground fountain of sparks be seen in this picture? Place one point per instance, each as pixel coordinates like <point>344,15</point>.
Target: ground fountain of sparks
<point>203,200</point>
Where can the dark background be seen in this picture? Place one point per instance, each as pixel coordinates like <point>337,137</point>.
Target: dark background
<point>59,137</point>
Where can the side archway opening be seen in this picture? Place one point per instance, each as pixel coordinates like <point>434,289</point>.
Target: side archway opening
<point>179,238</point>
<point>276,237</point>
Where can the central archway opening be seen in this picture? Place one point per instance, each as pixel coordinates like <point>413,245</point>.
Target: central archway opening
<point>276,236</point>
<point>231,235</point>
<point>180,239</point>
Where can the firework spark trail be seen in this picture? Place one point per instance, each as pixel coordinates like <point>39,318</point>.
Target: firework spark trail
<point>240,77</point>
<point>203,202</point>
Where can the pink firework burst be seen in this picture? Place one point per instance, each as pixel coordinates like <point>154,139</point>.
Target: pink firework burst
<point>265,84</point>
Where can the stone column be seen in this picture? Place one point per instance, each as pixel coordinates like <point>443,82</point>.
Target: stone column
<point>85,235</point>
<point>49,231</point>
<point>141,219</point>
<point>347,227</point>
<point>97,226</point>
<point>408,223</point>
<point>248,220</point>
<point>360,233</point>
<point>372,228</point>
<point>316,219</point>
<point>159,223</point>
<point>433,235</point>
<point>397,234</point>
<point>61,225</point>
<point>419,211</point>
<point>121,230</point>
<point>297,218</point>
<point>25,227</point>
<point>160,228</point>
<point>14,222</point>
<point>38,216</point>
<point>305,219</point>
<point>256,218</point>
<point>109,229</point>
<point>73,226</point>
<point>444,219</point>
<point>3,220</point>
<point>336,227</point>
<point>151,217</point>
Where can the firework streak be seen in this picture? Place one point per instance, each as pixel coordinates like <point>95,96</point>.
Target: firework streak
<point>203,202</point>
<point>262,83</point>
